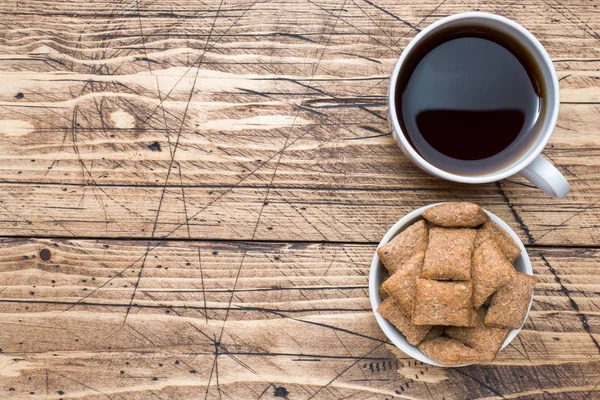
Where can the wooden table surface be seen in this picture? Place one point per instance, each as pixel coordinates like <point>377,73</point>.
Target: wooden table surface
<point>191,193</point>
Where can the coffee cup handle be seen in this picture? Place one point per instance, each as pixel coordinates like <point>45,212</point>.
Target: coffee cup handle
<point>545,176</point>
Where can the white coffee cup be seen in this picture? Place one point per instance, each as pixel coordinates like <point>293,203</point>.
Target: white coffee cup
<point>530,164</point>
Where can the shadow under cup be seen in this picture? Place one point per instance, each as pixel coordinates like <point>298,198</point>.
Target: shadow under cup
<point>475,96</point>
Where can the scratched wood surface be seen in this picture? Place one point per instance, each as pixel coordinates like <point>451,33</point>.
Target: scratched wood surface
<point>191,193</point>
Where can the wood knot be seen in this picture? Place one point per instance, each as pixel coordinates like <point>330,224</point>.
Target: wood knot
<point>280,391</point>
<point>45,254</point>
<point>154,147</point>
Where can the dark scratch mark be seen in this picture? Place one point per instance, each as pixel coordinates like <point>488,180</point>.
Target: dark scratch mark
<point>310,110</point>
<point>368,137</point>
<point>240,362</point>
<point>363,57</point>
<point>217,344</point>
<point>211,373</point>
<point>373,113</point>
<point>577,60</point>
<point>264,391</point>
<point>411,26</point>
<point>509,5</point>
<point>295,36</point>
<point>407,33</point>
<point>254,92</point>
<point>202,282</point>
<point>586,27</point>
<point>185,204</point>
<point>319,324</point>
<point>568,219</point>
<point>350,24</point>
<point>307,220</point>
<point>590,392</point>
<point>84,168</point>
<point>564,77</point>
<point>517,217</point>
<point>118,274</point>
<point>331,263</point>
<point>371,129</point>
<point>344,371</point>
<point>491,389</point>
<point>137,282</point>
<point>80,383</point>
<point>521,184</point>
<point>573,303</point>
<point>372,21</point>
<point>202,332</point>
<point>342,102</point>
<point>145,59</point>
<point>566,129</point>
<point>141,334</point>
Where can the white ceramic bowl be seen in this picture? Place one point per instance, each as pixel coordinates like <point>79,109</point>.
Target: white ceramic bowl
<point>522,264</point>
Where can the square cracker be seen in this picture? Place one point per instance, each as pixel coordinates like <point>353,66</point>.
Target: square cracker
<point>456,215</point>
<point>473,318</point>
<point>510,303</point>
<point>448,352</point>
<point>490,271</point>
<point>509,248</point>
<point>382,292</point>
<point>408,245</point>
<point>486,340</point>
<point>448,254</point>
<point>442,303</point>
<point>436,331</point>
<point>384,295</point>
<point>400,287</point>
<point>414,334</point>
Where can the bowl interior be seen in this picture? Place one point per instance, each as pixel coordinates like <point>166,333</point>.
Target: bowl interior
<point>522,264</point>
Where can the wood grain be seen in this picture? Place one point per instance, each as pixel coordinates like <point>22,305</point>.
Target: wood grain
<point>211,178</point>
<point>281,213</point>
<point>237,116</point>
<point>275,315</point>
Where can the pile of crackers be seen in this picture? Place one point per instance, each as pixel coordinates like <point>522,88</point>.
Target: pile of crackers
<point>452,288</point>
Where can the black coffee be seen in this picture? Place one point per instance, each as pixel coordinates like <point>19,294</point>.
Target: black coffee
<point>470,99</point>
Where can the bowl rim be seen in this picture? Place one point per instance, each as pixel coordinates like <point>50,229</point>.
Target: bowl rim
<point>375,297</point>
